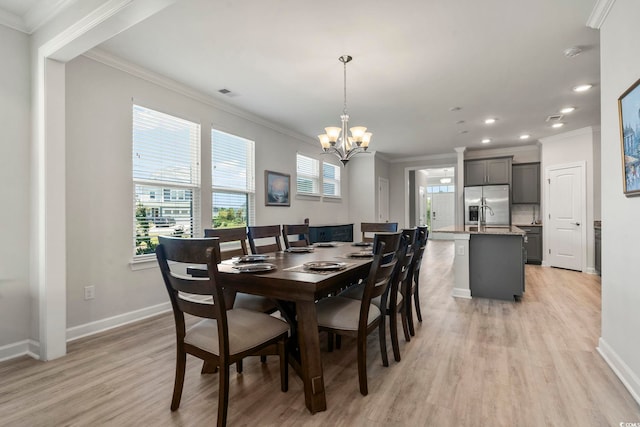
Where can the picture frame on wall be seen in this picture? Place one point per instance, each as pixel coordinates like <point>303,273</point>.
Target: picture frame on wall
<point>629,111</point>
<point>277,188</point>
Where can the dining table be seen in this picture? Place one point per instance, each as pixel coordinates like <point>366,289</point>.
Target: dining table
<point>296,289</point>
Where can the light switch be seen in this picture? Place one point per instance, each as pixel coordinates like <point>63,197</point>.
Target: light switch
<point>461,250</point>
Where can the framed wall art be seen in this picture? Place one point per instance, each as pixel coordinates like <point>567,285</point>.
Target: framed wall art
<point>277,188</point>
<point>629,110</point>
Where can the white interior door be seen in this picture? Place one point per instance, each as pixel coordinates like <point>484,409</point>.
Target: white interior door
<point>442,210</point>
<point>422,208</point>
<point>566,216</point>
<point>383,200</point>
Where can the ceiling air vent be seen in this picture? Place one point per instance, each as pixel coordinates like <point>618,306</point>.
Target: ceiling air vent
<point>228,93</point>
<point>554,118</point>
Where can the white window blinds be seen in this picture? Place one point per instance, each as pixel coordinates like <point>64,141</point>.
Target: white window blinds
<point>308,175</point>
<point>330,180</point>
<point>166,177</point>
<point>233,180</point>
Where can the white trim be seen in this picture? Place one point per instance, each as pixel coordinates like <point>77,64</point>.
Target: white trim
<point>143,262</point>
<point>22,348</point>
<point>629,379</point>
<point>445,156</point>
<point>599,13</point>
<point>13,21</point>
<point>42,12</point>
<point>113,61</point>
<point>461,293</point>
<point>102,325</point>
<point>571,134</point>
<point>499,152</point>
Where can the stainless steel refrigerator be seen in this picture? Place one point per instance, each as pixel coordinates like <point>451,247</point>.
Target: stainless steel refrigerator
<point>489,202</point>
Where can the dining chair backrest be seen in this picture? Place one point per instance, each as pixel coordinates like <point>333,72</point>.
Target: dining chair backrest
<point>378,280</point>
<point>264,232</point>
<point>301,231</point>
<point>368,228</point>
<point>174,255</point>
<point>423,235</point>
<point>392,243</point>
<point>227,236</point>
<point>412,235</point>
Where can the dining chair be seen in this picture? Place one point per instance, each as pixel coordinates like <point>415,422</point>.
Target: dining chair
<point>358,318</point>
<point>367,228</point>
<point>236,241</point>
<point>395,298</point>
<point>222,336</point>
<point>301,231</point>
<point>257,233</point>
<point>413,290</point>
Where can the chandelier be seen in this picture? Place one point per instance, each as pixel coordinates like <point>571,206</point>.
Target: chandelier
<point>446,179</point>
<point>345,147</point>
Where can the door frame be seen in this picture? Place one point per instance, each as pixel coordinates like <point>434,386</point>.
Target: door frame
<point>442,162</point>
<point>583,208</point>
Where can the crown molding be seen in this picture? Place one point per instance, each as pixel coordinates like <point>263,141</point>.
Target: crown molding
<point>444,156</point>
<point>10,20</point>
<point>599,13</point>
<point>38,15</point>
<point>589,130</point>
<point>44,11</point>
<point>118,63</point>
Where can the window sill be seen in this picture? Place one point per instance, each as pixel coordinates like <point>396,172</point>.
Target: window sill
<point>144,262</point>
<point>332,199</point>
<point>308,196</point>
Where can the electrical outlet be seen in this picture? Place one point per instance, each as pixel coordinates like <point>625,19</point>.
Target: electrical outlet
<point>460,250</point>
<point>89,292</point>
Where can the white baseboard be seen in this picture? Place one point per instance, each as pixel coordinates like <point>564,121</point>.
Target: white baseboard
<point>23,348</point>
<point>621,369</point>
<point>101,325</point>
<point>461,293</point>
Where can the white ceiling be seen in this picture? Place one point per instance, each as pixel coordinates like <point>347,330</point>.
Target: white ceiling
<point>413,61</point>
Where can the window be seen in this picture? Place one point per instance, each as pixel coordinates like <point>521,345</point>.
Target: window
<point>233,180</point>
<point>166,178</point>
<point>330,180</point>
<point>308,175</point>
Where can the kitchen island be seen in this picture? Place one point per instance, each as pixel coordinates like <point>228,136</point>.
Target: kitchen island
<point>489,261</point>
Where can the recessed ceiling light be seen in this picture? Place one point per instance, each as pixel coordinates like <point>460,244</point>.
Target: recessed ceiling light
<point>567,110</point>
<point>490,121</point>
<point>582,88</point>
<point>486,140</point>
<point>557,125</point>
<point>525,136</point>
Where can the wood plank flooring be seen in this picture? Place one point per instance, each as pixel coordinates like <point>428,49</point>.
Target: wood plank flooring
<point>472,363</point>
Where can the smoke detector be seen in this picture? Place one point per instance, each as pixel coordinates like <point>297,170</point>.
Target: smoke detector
<point>572,51</point>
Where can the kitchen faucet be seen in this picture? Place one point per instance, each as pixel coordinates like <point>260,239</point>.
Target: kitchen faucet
<point>480,214</point>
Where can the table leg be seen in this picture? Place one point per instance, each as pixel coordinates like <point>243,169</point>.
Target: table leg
<point>309,342</point>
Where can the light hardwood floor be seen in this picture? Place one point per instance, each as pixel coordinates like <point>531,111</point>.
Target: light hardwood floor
<point>472,363</point>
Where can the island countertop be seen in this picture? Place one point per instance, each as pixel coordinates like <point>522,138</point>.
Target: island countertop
<point>511,230</point>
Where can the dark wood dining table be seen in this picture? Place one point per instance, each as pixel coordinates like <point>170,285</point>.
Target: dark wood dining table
<point>296,293</point>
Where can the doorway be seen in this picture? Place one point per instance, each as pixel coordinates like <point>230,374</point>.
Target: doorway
<point>566,213</point>
<point>434,197</point>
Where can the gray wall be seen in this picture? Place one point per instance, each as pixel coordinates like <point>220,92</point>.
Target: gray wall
<point>99,187</point>
<point>15,298</point>
<point>620,68</point>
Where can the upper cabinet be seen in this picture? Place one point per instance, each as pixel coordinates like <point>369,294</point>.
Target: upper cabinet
<point>526,183</point>
<point>487,171</point>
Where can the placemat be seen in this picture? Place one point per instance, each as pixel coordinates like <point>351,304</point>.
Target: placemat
<point>301,269</point>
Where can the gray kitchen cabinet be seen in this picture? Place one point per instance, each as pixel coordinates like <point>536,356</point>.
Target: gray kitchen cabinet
<point>533,244</point>
<point>496,266</point>
<point>525,183</point>
<point>487,171</point>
